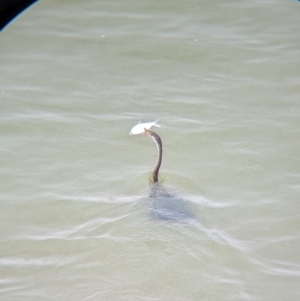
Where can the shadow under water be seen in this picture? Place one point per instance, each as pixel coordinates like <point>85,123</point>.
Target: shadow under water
<point>165,205</point>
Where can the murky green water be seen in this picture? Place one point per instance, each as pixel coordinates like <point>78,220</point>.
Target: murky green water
<point>76,219</point>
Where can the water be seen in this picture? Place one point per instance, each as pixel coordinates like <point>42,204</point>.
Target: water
<point>76,217</point>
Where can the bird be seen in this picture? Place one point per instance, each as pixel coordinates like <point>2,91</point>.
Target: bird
<point>165,205</point>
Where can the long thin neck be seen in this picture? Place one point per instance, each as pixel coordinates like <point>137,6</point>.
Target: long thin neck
<point>155,170</point>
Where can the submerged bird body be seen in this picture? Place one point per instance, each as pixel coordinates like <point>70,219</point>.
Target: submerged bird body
<point>140,127</point>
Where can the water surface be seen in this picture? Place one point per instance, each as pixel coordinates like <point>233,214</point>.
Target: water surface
<point>222,78</point>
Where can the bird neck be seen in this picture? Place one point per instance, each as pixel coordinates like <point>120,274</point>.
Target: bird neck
<point>155,170</point>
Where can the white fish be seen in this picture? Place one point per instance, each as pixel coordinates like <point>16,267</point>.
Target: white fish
<point>140,127</point>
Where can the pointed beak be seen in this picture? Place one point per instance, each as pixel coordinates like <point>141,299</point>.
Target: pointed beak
<point>147,132</point>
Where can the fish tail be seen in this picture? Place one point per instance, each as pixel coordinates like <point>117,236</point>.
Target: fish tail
<point>155,124</point>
